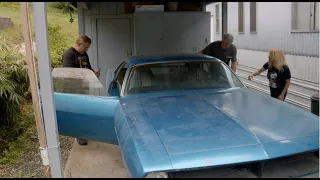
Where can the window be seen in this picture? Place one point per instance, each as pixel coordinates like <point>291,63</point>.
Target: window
<point>217,19</point>
<point>240,17</point>
<point>253,17</point>
<point>121,73</point>
<point>179,76</point>
<point>305,16</point>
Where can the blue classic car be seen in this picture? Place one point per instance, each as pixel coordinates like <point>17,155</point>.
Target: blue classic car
<point>185,113</point>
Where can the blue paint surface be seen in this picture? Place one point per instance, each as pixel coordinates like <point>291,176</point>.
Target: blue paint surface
<point>215,127</point>
<point>168,131</point>
<point>143,59</point>
<point>87,117</point>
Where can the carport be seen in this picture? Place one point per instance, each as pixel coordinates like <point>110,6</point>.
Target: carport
<point>117,35</point>
<point>118,30</point>
<point>126,37</point>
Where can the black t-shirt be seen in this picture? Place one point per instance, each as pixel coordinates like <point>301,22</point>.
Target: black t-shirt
<point>72,58</point>
<point>214,49</point>
<point>277,79</point>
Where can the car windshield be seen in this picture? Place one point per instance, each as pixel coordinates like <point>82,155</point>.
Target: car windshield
<point>188,75</point>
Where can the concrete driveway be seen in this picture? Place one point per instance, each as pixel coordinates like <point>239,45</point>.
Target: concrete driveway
<point>96,160</point>
<point>99,160</point>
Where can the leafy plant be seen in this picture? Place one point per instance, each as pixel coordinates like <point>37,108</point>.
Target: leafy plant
<point>14,82</point>
<point>63,6</point>
<point>57,44</point>
<point>10,5</point>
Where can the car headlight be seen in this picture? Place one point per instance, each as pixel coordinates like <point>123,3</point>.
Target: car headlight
<point>157,175</point>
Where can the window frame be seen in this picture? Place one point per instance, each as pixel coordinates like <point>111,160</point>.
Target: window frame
<point>217,18</point>
<point>312,26</point>
<point>255,18</point>
<point>241,18</point>
<point>124,88</point>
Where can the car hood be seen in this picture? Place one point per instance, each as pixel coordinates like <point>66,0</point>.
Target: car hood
<point>234,124</point>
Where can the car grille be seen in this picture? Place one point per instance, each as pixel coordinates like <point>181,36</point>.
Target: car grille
<point>305,165</point>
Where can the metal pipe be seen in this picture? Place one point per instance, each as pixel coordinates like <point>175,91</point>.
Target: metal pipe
<point>46,88</point>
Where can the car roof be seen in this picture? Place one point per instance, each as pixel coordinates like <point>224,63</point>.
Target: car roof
<point>167,57</point>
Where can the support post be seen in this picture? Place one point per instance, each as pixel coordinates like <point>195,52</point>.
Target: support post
<point>26,31</point>
<point>46,88</point>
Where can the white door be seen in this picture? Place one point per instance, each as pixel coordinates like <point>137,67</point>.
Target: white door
<point>179,31</point>
<point>114,45</point>
<point>202,31</point>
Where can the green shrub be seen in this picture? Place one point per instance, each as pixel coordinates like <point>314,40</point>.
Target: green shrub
<point>62,6</point>
<point>57,44</point>
<point>13,34</point>
<point>10,5</point>
<point>14,82</point>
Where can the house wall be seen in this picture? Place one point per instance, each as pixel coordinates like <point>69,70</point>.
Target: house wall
<point>274,30</point>
<point>87,21</point>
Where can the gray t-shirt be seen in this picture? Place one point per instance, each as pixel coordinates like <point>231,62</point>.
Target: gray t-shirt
<point>214,49</point>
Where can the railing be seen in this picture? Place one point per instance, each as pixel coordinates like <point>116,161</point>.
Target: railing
<point>299,92</point>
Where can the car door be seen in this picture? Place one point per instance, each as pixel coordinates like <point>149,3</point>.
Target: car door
<point>80,113</point>
<point>88,117</point>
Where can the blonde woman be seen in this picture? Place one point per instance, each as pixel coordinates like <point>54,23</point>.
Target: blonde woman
<point>278,74</point>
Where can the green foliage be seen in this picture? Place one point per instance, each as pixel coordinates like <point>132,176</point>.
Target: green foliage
<point>13,34</point>
<point>14,81</point>
<point>17,126</point>
<point>64,7</point>
<point>15,6</point>
<point>17,138</point>
<point>57,44</point>
<point>10,5</point>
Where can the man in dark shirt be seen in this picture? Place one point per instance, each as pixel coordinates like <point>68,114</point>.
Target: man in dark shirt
<point>223,50</point>
<point>77,57</point>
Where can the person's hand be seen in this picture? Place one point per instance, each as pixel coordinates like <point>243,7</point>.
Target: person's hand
<point>250,77</point>
<point>97,72</point>
<point>281,97</point>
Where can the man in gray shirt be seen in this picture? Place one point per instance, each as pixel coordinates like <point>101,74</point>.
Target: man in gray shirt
<point>223,50</point>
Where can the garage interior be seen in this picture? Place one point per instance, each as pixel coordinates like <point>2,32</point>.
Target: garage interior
<point>119,31</point>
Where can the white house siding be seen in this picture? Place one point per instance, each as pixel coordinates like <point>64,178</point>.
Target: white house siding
<point>211,8</point>
<point>304,70</point>
<point>274,31</point>
<point>87,24</point>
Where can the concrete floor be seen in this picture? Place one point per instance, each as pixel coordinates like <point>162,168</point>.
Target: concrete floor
<point>99,160</point>
<point>96,160</point>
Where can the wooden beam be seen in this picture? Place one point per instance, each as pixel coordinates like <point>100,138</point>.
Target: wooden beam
<point>25,20</point>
